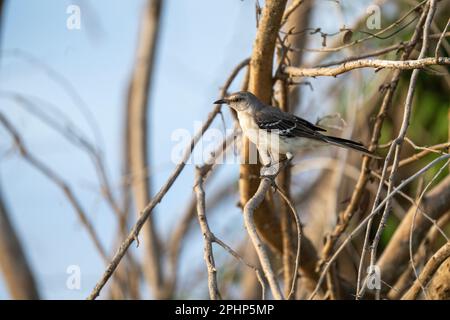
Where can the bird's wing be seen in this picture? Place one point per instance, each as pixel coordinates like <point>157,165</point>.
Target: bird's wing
<point>286,124</point>
<point>308,124</point>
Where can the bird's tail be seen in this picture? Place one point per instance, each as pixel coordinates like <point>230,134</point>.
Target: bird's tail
<point>349,144</point>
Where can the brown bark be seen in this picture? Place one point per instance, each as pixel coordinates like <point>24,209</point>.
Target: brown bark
<point>439,287</point>
<point>260,84</point>
<point>137,138</point>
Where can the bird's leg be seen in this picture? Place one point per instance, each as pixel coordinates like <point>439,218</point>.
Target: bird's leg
<point>265,158</point>
<point>275,167</point>
<point>284,161</point>
<point>272,165</point>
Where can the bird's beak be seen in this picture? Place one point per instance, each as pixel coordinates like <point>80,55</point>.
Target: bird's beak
<point>221,101</point>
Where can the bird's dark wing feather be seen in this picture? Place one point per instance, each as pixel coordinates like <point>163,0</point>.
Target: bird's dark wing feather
<point>287,125</point>
<point>308,124</point>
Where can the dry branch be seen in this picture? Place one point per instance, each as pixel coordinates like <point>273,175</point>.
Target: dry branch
<point>48,172</point>
<point>345,216</point>
<point>207,236</point>
<point>365,63</point>
<point>396,255</point>
<point>249,211</point>
<point>394,151</point>
<point>428,271</point>
<point>362,224</point>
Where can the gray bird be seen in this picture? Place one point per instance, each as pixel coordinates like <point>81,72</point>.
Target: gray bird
<point>275,132</point>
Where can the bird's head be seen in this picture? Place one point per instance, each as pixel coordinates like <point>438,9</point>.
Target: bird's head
<point>241,101</point>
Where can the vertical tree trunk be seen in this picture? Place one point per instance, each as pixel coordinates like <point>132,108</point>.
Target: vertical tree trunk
<point>260,84</point>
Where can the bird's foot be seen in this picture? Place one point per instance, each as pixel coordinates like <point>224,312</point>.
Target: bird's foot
<point>270,171</point>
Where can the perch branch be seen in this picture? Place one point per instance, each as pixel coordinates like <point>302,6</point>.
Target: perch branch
<point>249,211</point>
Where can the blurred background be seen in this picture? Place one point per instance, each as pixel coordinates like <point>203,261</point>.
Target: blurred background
<point>66,92</point>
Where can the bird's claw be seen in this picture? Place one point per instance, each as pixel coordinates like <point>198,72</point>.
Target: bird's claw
<point>269,172</point>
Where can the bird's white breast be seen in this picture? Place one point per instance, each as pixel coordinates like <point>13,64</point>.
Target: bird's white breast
<point>261,138</point>
<point>248,126</point>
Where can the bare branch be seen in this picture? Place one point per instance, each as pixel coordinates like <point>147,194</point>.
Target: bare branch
<point>214,293</point>
<point>441,38</point>
<point>289,10</point>
<point>365,63</point>
<point>394,150</point>
<point>396,254</point>
<point>430,268</point>
<point>345,217</point>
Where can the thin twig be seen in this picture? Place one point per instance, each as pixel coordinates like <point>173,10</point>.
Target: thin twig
<point>411,230</point>
<point>214,293</point>
<point>289,10</point>
<point>438,45</point>
<point>299,241</point>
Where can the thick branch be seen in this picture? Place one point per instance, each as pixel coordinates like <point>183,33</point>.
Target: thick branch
<point>439,286</point>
